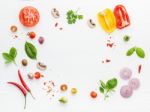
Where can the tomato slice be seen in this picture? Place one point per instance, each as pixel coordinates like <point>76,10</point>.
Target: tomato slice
<point>29,16</point>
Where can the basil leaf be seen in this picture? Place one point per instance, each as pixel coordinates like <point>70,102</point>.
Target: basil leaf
<point>130,51</point>
<point>103,84</point>
<point>140,52</point>
<point>101,90</point>
<point>7,57</point>
<point>30,50</point>
<point>13,52</point>
<point>111,84</point>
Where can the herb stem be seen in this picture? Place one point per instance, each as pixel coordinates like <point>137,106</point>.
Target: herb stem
<point>77,10</point>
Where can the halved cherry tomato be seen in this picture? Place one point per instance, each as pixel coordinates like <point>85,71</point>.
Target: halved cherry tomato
<point>63,87</point>
<point>122,17</point>
<point>29,16</point>
<point>93,94</point>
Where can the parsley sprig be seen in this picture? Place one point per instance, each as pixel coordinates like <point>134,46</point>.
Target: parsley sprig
<point>73,16</point>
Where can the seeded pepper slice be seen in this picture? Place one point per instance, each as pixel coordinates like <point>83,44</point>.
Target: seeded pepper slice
<point>107,20</point>
<point>122,17</point>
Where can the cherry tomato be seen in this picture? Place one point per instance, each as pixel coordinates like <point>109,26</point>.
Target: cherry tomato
<point>63,87</point>
<point>29,16</point>
<point>38,75</point>
<point>93,94</point>
<point>32,35</point>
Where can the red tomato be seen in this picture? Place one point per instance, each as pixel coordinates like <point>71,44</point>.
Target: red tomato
<point>93,94</point>
<point>29,16</point>
<point>38,75</point>
<point>32,35</point>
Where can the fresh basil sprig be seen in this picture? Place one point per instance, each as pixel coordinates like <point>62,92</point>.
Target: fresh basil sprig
<point>139,51</point>
<point>108,87</point>
<point>10,57</point>
<point>30,50</point>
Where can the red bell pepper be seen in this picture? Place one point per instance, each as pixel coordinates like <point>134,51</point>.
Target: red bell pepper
<point>122,17</point>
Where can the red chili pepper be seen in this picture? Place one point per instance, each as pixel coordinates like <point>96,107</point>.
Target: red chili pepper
<point>24,84</point>
<point>21,89</point>
<point>122,17</point>
<point>139,69</point>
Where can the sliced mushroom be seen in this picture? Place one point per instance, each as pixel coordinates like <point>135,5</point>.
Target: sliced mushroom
<point>41,66</point>
<point>91,24</point>
<point>55,13</point>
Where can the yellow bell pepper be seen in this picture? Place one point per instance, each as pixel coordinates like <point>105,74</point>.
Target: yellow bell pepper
<point>107,20</point>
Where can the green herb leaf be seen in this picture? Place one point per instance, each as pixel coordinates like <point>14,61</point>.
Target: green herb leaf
<point>111,84</point>
<point>30,50</point>
<point>130,51</point>
<point>140,52</point>
<point>103,84</point>
<point>13,52</point>
<point>101,90</point>
<point>7,57</point>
